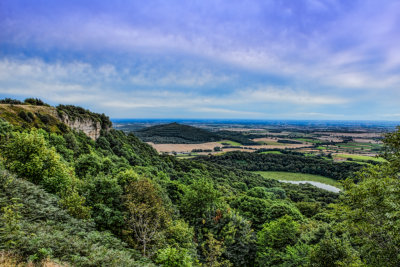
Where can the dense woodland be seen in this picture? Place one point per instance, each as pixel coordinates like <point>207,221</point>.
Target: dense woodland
<point>70,200</point>
<point>287,161</point>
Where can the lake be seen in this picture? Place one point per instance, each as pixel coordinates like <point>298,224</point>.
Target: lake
<point>317,184</point>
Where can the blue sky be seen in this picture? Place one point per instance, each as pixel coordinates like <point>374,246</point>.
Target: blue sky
<point>300,59</point>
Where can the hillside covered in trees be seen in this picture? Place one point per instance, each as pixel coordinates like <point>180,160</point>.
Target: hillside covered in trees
<point>113,201</point>
<point>175,133</point>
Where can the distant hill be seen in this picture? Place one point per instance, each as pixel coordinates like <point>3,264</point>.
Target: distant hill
<point>175,133</point>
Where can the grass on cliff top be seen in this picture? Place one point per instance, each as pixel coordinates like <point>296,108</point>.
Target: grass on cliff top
<point>43,116</point>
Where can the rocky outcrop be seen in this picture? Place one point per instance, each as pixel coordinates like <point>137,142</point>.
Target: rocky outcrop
<point>88,126</point>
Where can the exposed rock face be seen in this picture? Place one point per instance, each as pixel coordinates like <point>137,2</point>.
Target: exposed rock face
<point>89,127</point>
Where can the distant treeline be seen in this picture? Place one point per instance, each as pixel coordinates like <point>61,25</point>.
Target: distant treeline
<point>28,101</point>
<point>239,137</point>
<point>289,162</point>
<point>284,141</point>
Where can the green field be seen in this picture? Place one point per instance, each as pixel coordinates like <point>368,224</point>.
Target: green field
<point>290,176</point>
<point>271,152</point>
<point>359,157</point>
<point>231,143</point>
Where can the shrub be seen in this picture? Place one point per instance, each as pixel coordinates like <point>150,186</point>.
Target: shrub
<point>28,155</point>
<point>23,115</point>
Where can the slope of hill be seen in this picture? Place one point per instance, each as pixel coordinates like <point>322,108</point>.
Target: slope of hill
<point>175,133</point>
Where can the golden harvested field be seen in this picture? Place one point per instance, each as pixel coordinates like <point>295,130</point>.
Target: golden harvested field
<point>168,148</point>
<point>273,143</point>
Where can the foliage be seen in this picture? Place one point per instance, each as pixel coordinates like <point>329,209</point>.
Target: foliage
<point>35,101</point>
<point>10,224</point>
<point>174,257</point>
<point>146,216</point>
<point>48,231</point>
<point>28,155</point>
<point>285,163</point>
<point>5,130</point>
<point>199,198</point>
<point>10,101</point>
<point>274,238</point>
<point>333,251</point>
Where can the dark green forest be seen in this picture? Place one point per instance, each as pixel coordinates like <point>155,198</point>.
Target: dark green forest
<point>73,201</point>
<point>287,161</point>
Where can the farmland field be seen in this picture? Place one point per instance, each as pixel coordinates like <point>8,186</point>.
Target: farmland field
<point>229,142</point>
<point>324,140</point>
<point>359,157</point>
<point>271,152</point>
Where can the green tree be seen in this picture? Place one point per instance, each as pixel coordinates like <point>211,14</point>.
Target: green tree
<point>333,251</point>
<point>104,195</point>
<point>88,164</point>
<point>273,239</point>
<point>5,130</point>
<point>370,209</point>
<point>212,250</point>
<point>238,240</point>
<point>199,198</point>
<point>146,216</point>
<point>28,155</point>
<point>174,257</point>
<point>253,208</point>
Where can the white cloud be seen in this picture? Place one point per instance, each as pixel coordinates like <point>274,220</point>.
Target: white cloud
<point>285,95</point>
<point>79,82</point>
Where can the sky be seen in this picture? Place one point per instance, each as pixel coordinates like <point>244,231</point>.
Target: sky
<point>282,59</point>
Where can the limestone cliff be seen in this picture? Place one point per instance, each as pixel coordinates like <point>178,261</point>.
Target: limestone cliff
<point>87,125</point>
<point>54,119</point>
<point>81,119</point>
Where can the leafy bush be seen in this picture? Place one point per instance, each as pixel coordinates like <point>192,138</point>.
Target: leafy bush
<point>28,155</point>
<point>10,101</point>
<point>35,101</point>
<point>26,116</point>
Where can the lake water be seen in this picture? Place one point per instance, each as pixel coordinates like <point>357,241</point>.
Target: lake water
<point>317,184</point>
